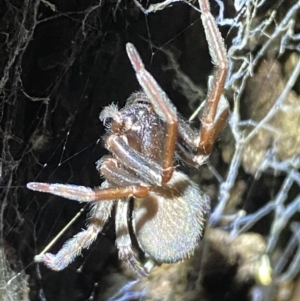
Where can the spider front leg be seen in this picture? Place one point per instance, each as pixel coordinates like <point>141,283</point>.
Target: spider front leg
<point>217,109</point>
<point>162,106</point>
<point>87,194</point>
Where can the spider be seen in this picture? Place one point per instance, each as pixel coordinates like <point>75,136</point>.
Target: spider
<point>168,211</point>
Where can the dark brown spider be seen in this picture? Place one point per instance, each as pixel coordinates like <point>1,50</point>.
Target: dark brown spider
<point>168,209</point>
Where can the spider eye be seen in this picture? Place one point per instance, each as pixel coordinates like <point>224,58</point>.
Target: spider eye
<point>138,97</point>
<point>142,101</point>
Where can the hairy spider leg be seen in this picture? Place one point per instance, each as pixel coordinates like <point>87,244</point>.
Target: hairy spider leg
<point>217,109</point>
<point>123,239</point>
<point>99,214</point>
<point>148,170</point>
<point>86,194</point>
<point>162,106</point>
<point>111,170</point>
<point>117,175</point>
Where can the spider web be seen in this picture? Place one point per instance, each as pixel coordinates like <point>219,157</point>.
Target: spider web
<point>62,62</point>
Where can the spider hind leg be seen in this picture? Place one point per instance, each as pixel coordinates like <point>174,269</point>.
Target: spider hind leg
<point>123,239</point>
<point>100,213</point>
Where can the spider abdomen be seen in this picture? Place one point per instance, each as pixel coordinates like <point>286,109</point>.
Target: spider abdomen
<point>169,222</point>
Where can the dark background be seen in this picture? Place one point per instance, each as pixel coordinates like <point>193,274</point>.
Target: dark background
<point>60,65</point>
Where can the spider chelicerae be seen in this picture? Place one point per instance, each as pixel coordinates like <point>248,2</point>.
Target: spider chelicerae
<point>168,209</point>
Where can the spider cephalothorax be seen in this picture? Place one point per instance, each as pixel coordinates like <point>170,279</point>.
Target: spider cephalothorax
<point>168,209</point>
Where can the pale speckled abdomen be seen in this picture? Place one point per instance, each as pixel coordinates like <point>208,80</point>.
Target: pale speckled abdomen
<point>169,222</point>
